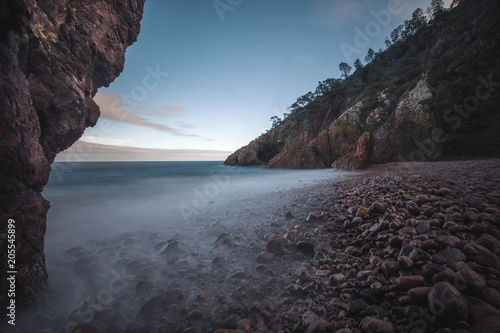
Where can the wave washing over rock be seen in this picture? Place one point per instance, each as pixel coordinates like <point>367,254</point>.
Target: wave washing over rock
<point>54,56</point>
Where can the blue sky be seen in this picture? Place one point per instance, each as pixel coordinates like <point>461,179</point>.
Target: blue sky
<point>208,75</point>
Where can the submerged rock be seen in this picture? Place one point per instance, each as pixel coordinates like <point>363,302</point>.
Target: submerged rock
<point>156,306</point>
<point>279,245</point>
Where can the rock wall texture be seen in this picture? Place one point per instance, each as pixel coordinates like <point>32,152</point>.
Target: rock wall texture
<point>54,55</point>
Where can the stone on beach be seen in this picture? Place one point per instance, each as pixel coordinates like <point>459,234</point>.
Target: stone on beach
<point>376,325</point>
<point>157,304</point>
<point>375,273</point>
<point>279,245</point>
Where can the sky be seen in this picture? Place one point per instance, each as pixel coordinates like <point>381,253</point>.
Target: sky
<point>205,77</point>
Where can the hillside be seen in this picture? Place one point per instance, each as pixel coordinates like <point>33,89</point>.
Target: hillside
<point>431,95</point>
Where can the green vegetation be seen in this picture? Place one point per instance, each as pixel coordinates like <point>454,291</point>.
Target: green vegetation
<point>455,48</point>
<point>346,69</point>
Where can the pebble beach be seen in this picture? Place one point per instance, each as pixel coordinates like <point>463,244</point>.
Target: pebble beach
<point>400,247</point>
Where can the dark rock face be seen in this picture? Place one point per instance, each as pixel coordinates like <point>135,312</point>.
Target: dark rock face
<point>54,56</point>
<point>260,153</point>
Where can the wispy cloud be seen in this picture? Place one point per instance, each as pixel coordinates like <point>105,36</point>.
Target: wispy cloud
<point>116,107</point>
<point>105,141</point>
<point>98,152</point>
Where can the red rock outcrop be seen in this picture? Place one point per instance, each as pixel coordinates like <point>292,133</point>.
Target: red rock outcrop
<point>359,156</point>
<point>54,55</point>
<point>349,139</point>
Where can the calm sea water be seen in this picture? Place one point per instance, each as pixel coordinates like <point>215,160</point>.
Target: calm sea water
<point>116,211</point>
<point>92,201</point>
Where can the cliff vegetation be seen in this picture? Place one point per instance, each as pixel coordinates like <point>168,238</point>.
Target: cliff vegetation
<point>431,94</point>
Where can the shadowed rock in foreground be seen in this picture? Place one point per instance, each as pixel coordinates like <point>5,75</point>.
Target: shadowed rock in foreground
<point>54,55</point>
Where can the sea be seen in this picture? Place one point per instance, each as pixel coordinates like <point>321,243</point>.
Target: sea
<point>95,200</point>
<point>102,212</point>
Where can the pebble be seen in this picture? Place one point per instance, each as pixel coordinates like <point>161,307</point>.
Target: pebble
<point>376,325</point>
<point>356,306</point>
<point>483,317</point>
<point>447,241</point>
<point>423,227</point>
<point>279,245</point>
<point>306,246</point>
<point>405,263</point>
<point>327,262</point>
<point>337,279</point>
<point>419,295</point>
<point>414,253</point>
<point>312,217</point>
<point>315,324</point>
<point>362,212</point>
<point>422,198</point>
<point>396,241</point>
<point>390,268</point>
<point>265,257</point>
<point>472,279</point>
<point>448,256</point>
<point>409,282</point>
<point>243,324</point>
<point>159,302</point>
<point>379,207</point>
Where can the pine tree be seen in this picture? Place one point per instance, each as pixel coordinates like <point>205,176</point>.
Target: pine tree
<point>358,64</point>
<point>436,7</point>
<point>344,67</point>
<point>370,55</point>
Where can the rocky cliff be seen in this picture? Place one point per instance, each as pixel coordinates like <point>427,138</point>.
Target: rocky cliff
<point>54,55</point>
<point>376,128</point>
<point>432,94</point>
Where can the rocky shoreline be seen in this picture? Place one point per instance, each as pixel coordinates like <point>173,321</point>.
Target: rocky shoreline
<point>400,248</point>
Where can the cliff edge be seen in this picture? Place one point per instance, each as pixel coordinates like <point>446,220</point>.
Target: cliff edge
<point>54,55</point>
<point>431,94</point>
